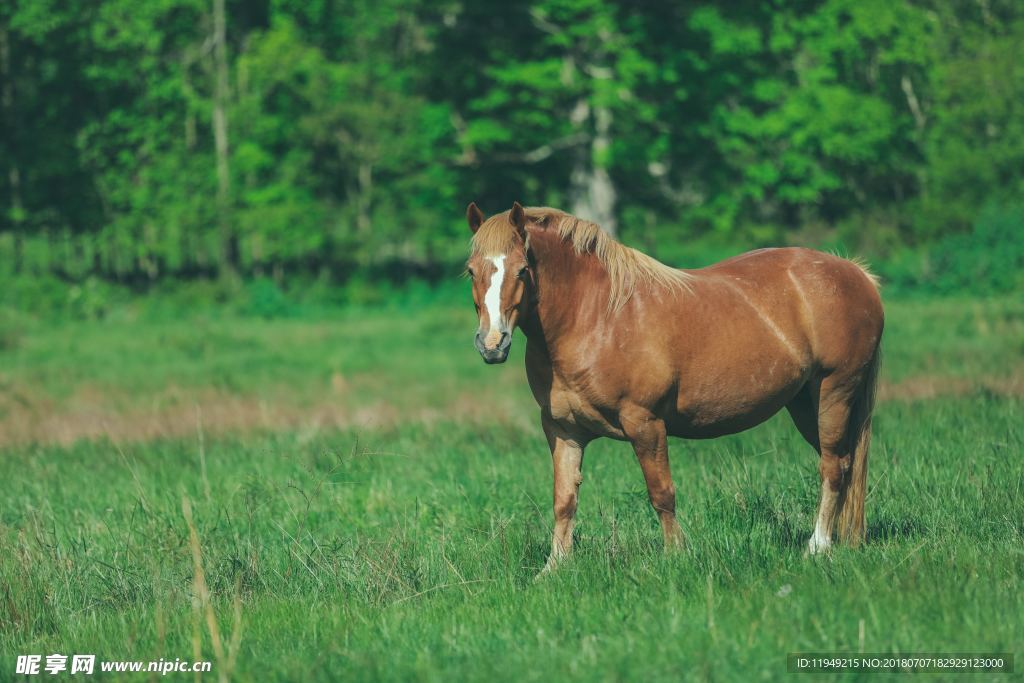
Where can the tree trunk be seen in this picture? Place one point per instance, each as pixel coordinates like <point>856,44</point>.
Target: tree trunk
<point>13,172</point>
<point>365,197</point>
<point>228,239</point>
<point>591,190</point>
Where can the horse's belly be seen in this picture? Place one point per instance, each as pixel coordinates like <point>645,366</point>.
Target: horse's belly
<point>714,408</point>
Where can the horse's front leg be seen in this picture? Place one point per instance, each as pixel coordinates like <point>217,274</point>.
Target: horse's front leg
<point>650,442</point>
<point>567,460</point>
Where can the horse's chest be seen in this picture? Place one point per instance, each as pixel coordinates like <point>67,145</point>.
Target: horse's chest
<point>574,409</point>
<point>566,405</point>
<point>570,410</point>
<point>572,398</point>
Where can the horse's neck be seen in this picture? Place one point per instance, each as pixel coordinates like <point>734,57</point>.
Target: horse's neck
<point>571,289</point>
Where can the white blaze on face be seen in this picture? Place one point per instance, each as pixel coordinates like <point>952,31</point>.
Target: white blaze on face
<point>492,300</point>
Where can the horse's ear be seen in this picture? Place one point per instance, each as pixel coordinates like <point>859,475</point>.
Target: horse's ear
<point>474,216</point>
<point>517,217</point>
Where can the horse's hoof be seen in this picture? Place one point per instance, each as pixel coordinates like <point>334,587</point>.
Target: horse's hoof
<point>549,567</point>
<point>815,548</point>
<point>675,545</point>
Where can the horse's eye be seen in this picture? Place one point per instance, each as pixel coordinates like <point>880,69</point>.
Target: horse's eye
<point>470,271</point>
<point>522,271</point>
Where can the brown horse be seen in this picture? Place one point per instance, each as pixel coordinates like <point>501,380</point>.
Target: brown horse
<point>620,345</point>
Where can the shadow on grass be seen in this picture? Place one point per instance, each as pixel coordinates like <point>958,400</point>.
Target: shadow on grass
<point>895,529</point>
<point>789,533</point>
<point>791,536</point>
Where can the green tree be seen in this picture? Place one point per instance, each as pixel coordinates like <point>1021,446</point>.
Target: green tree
<point>973,140</point>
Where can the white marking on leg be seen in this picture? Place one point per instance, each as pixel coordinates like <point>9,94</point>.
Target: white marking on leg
<point>821,541</point>
<point>492,300</point>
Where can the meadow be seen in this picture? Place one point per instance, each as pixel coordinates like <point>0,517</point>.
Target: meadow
<point>354,495</point>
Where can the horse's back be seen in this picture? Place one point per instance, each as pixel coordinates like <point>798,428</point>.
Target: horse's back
<point>834,301</point>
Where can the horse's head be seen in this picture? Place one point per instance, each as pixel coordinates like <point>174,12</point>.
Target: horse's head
<point>502,280</point>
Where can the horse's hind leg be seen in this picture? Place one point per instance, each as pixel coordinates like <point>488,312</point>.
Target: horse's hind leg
<point>835,406</point>
<point>803,408</point>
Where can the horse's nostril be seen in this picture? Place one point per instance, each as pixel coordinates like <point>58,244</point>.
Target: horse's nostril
<point>495,341</point>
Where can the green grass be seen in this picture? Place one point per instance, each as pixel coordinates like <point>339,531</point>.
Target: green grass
<point>380,367</point>
<point>409,552</point>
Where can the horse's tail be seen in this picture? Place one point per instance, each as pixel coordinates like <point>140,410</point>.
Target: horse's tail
<point>851,515</point>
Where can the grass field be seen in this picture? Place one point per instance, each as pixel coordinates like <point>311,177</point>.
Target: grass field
<point>370,501</point>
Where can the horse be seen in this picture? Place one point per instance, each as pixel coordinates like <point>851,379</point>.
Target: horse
<point>622,346</point>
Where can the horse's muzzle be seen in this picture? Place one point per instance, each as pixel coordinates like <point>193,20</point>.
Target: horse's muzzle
<point>497,354</point>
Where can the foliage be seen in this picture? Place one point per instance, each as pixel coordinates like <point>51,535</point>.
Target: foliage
<point>358,130</point>
<point>988,260</point>
<point>266,300</point>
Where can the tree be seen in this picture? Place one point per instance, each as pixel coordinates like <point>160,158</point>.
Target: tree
<point>555,98</point>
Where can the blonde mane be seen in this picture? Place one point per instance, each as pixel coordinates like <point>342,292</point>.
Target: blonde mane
<point>627,268</point>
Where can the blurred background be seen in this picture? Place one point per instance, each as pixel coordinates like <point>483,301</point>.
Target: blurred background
<point>286,153</point>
